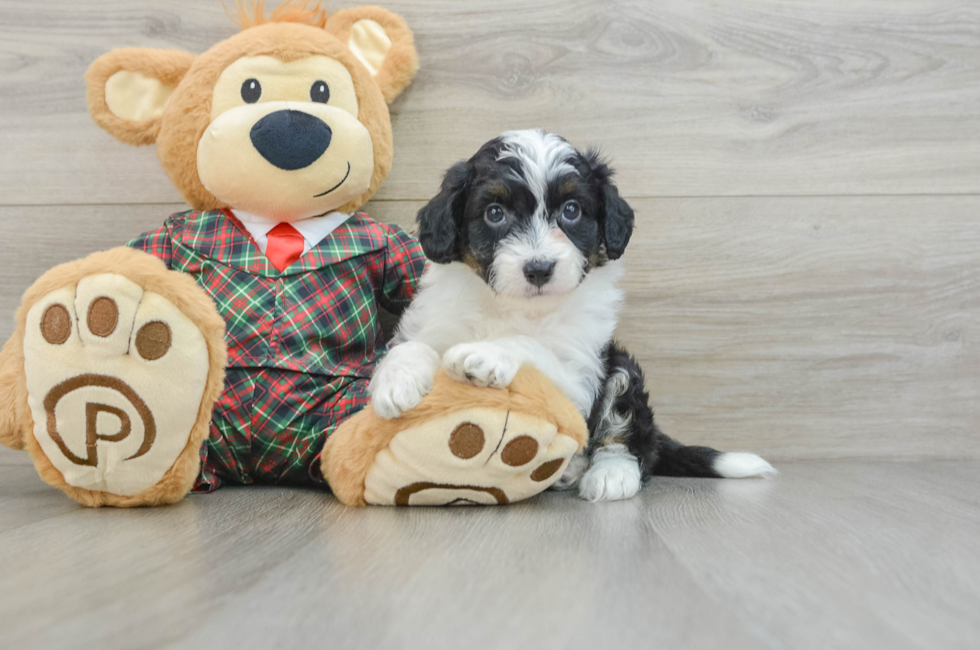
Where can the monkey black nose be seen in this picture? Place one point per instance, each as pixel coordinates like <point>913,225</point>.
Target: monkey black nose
<point>538,272</point>
<point>291,139</point>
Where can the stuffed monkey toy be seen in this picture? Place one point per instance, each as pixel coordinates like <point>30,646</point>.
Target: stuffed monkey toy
<point>226,346</point>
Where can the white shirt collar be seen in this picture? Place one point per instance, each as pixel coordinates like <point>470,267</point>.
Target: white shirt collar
<point>314,229</point>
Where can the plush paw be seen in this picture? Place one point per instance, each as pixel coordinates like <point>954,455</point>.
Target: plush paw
<point>613,475</point>
<point>476,456</point>
<point>577,467</point>
<point>115,378</point>
<point>481,364</point>
<point>403,379</point>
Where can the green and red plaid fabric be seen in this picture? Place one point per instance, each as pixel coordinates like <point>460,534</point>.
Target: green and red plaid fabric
<point>302,344</point>
<point>269,426</point>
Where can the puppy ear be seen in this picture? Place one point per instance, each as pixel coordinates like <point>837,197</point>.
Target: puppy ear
<point>129,88</point>
<point>618,224</point>
<point>617,221</point>
<point>439,219</point>
<point>381,41</point>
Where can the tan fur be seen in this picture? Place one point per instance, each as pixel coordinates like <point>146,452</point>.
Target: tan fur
<point>168,66</point>
<point>13,392</point>
<point>290,11</point>
<point>350,452</point>
<point>188,111</point>
<point>402,61</point>
<point>293,31</point>
<point>181,290</point>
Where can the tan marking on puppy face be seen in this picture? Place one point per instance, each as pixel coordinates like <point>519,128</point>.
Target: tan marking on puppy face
<point>471,262</point>
<point>559,236</point>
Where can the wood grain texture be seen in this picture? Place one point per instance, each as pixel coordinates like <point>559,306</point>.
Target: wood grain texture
<point>795,327</point>
<point>11,457</point>
<point>814,555</point>
<point>843,554</point>
<point>817,327</point>
<point>691,98</point>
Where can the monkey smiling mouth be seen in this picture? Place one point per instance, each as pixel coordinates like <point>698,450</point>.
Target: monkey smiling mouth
<point>316,196</point>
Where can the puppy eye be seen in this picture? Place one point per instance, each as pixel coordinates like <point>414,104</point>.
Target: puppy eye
<point>494,216</point>
<point>320,92</point>
<point>571,212</point>
<point>251,91</point>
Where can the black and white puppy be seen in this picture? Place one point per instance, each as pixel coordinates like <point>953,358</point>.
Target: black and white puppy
<point>525,238</point>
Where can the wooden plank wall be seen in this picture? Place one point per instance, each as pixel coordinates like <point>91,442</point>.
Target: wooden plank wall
<point>805,277</point>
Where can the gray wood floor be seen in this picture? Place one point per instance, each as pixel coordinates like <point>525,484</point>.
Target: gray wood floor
<point>804,282</point>
<point>842,554</point>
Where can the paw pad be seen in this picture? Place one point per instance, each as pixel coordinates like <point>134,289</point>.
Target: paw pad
<point>475,456</point>
<point>466,440</point>
<point>115,378</point>
<point>153,340</point>
<point>520,451</point>
<point>103,316</point>
<point>547,470</point>
<point>56,324</point>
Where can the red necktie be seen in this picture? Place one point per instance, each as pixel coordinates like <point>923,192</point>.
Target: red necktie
<point>284,246</point>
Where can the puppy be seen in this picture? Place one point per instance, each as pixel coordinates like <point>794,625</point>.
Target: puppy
<point>525,237</point>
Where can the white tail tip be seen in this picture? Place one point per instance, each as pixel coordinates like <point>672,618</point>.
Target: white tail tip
<point>742,464</point>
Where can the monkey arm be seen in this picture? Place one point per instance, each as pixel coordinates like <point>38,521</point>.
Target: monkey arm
<point>156,243</point>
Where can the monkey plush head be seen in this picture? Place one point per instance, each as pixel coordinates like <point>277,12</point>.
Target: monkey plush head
<point>287,119</point>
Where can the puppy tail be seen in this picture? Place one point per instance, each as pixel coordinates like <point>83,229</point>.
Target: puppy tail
<point>624,417</point>
<point>675,459</point>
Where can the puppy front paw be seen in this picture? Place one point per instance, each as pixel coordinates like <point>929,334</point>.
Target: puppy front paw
<point>614,475</point>
<point>403,379</point>
<point>481,364</point>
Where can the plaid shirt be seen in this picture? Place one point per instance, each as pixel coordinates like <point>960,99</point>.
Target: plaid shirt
<point>318,316</point>
<point>301,343</point>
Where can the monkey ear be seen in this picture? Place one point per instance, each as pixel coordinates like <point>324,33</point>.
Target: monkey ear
<point>439,219</point>
<point>129,88</point>
<point>382,42</point>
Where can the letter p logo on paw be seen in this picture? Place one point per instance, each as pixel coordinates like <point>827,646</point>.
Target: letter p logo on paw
<point>91,417</point>
<point>115,377</point>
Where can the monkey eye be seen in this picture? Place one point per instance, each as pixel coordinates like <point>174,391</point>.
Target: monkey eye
<point>494,216</point>
<point>251,91</point>
<point>571,212</point>
<point>320,92</point>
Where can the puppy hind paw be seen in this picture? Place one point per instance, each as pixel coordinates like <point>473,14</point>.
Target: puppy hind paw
<point>613,476</point>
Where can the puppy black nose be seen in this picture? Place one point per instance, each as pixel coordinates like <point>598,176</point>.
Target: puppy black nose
<point>538,272</point>
<point>291,139</point>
